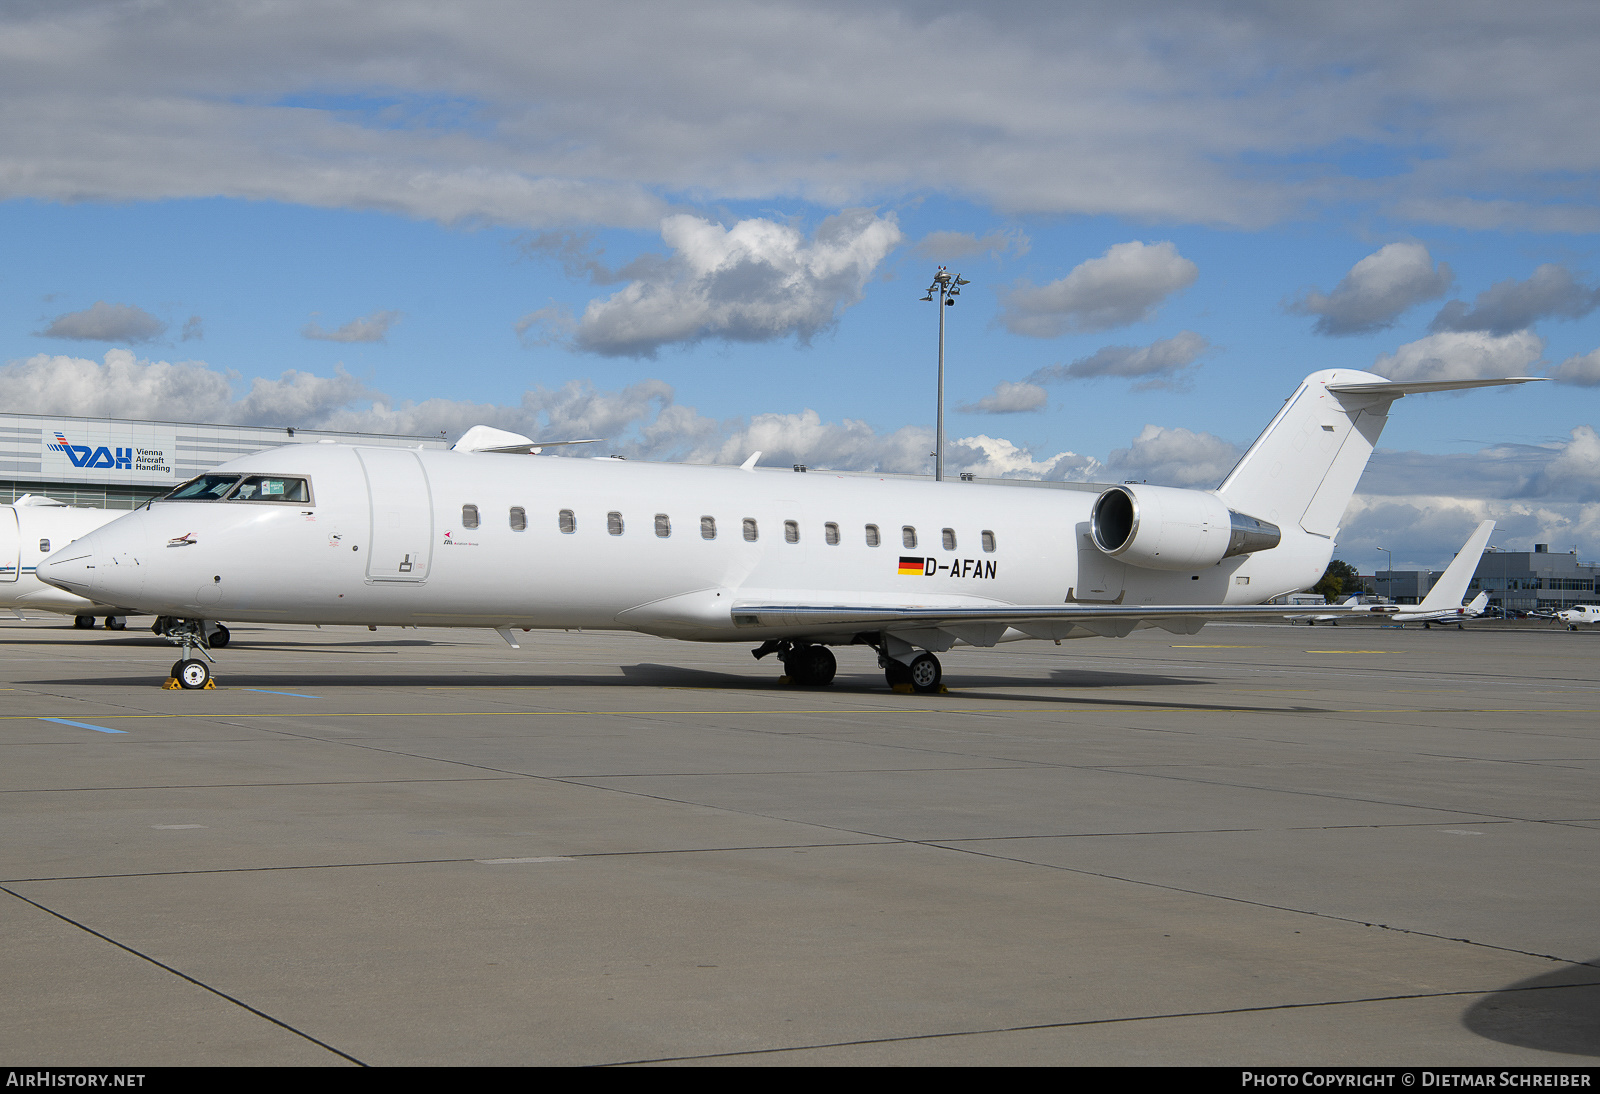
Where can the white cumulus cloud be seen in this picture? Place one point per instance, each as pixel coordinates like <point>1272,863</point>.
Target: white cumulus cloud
<point>1462,355</point>
<point>1009,398</point>
<point>754,282</point>
<point>1175,457</point>
<point>1125,285</point>
<point>1165,362</point>
<point>1377,290</point>
<point>1551,293</point>
<point>1581,370</point>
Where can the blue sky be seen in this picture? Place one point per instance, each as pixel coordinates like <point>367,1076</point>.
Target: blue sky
<point>703,229</point>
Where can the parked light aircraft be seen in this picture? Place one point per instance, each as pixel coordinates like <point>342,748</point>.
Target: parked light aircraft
<point>1583,613</point>
<point>31,529</point>
<point>792,563</point>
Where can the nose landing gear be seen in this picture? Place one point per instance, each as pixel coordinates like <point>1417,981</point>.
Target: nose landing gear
<point>189,672</point>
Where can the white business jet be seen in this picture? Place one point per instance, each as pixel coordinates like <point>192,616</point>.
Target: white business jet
<point>30,529</point>
<point>791,563</point>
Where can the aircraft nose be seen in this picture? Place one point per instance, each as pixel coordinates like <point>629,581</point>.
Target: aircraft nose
<point>71,568</point>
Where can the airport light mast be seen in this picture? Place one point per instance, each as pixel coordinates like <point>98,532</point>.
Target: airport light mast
<point>947,288</point>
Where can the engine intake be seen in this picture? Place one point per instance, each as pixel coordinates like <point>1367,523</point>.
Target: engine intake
<point>1162,528</point>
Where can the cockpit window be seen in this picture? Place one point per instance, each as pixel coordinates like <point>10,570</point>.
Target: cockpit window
<point>244,488</point>
<point>205,488</point>
<point>271,488</point>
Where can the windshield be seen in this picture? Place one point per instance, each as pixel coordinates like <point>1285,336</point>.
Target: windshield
<point>243,488</point>
<point>205,488</point>
<point>271,488</point>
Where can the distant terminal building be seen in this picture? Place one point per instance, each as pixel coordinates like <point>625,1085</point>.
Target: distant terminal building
<point>1523,581</point>
<point>111,463</point>
<point>1536,580</point>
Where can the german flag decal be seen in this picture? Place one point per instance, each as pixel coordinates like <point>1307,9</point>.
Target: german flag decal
<point>910,566</point>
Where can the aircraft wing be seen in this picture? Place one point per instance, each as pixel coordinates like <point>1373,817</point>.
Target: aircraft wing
<point>982,625</point>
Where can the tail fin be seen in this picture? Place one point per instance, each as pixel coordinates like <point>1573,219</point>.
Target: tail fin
<point>1452,585</point>
<point>1304,467</point>
<point>1479,602</point>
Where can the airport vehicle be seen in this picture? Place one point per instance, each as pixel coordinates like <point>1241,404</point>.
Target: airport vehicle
<point>32,528</point>
<point>793,563</point>
<point>1583,613</point>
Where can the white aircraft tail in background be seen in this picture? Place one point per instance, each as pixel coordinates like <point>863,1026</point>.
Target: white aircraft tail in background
<point>1443,602</point>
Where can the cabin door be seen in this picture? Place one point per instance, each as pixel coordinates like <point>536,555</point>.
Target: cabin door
<point>10,546</point>
<point>401,548</point>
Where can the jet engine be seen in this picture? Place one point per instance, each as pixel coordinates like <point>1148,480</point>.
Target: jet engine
<point>1162,528</point>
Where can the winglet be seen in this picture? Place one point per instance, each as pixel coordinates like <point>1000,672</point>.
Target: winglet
<point>750,464</point>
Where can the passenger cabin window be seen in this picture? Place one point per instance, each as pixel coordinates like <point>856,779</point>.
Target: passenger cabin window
<point>791,532</point>
<point>663,526</point>
<point>908,536</point>
<point>873,538</point>
<point>205,488</point>
<point>44,546</point>
<point>519,519</point>
<point>750,533</point>
<point>988,540</point>
<point>567,522</point>
<point>614,523</point>
<point>271,488</point>
<point>949,537</point>
<point>830,532</point>
<point>469,516</point>
<point>708,527</point>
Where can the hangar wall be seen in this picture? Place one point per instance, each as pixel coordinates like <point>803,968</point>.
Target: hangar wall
<point>113,463</point>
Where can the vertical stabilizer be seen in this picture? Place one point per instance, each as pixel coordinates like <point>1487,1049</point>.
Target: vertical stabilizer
<point>1446,594</point>
<point>1304,467</point>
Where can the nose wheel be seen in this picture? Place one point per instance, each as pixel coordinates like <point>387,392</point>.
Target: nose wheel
<point>191,673</point>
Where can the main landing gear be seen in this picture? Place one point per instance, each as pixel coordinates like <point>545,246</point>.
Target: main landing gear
<point>923,675</point>
<point>804,663</point>
<point>811,665</point>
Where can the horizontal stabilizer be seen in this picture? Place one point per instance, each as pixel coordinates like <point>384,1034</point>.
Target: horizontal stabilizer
<point>1423,387</point>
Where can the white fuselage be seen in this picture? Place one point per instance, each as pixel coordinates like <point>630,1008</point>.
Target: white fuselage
<point>383,541</point>
<point>29,534</point>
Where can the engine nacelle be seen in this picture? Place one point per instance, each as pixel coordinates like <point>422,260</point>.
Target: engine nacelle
<point>1162,528</point>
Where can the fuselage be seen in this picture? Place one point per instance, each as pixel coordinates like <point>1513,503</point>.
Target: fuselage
<point>432,538</point>
<point>28,535</point>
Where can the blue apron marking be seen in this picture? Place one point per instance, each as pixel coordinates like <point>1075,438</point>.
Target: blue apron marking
<point>82,725</point>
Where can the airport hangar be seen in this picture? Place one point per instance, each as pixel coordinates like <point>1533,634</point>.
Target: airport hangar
<point>111,463</point>
<point>1536,580</point>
